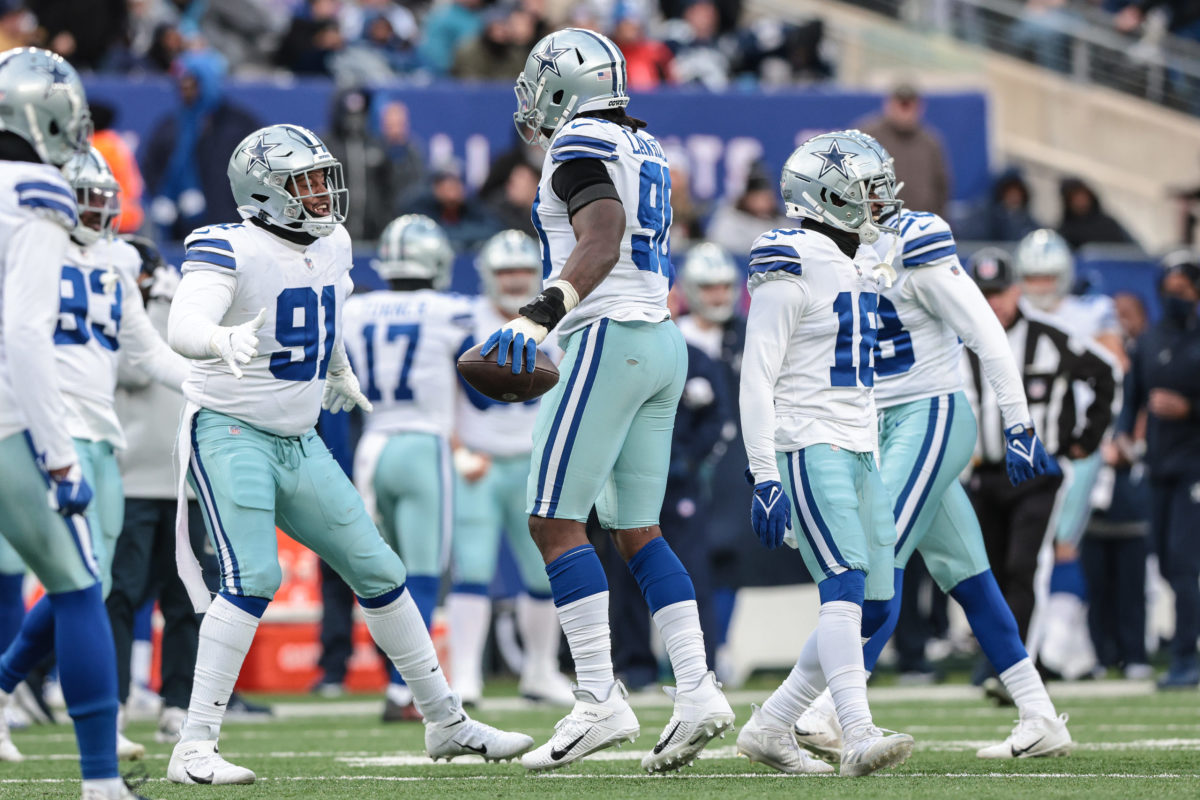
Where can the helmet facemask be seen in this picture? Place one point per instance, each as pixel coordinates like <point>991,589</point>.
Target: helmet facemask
<point>530,117</point>
<point>99,212</point>
<point>317,198</point>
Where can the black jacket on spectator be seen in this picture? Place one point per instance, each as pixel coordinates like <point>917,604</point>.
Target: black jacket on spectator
<point>1002,219</point>
<point>95,25</point>
<point>1091,227</point>
<point>1167,356</point>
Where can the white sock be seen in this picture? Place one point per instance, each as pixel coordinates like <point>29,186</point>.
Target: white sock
<point>1028,692</point>
<point>469,616</point>
<point>799,689</point>
<point>225,637</point>
<point>141,659</point>
<point>679,626</point>
<point>839,645</point>
<point>537,622</point>
<point>400,632</point>
<point>585,624</point>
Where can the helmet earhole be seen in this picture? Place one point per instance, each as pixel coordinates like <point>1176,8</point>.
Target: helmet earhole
<point>53,127</point>
<point>579,55</point>
<point>558,97</point>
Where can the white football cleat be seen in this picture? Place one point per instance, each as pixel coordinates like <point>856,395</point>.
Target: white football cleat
<point>200,762</point>
<point>872,749</point>
<point>771,742</point>
<point>119,792</point>
<point>701,714</point>
<point>819,732</point>
<point>170,723</point>
<point>592,725</point>
<point>547,686</point>
<point>128,750</point>
<point>459,735</point>
<point>1035,737</point>
<point>8,750</point>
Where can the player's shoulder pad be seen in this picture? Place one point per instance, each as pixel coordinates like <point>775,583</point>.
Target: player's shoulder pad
<point>46,193</point>
<point>459,309</point>
<point>779,251</point>
<point>212,248</point>
<point>925,238</point>
<point>586,138</point>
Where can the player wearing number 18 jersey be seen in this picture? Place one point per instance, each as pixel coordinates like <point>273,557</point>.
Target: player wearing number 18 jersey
<point>603,434</point>
<point>808,422</point>
<point>258,311</point>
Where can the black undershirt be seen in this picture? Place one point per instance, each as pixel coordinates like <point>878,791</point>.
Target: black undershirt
<point>14,148</point>
<point>846,241</point>
<point>293,236</point>
<point>581,181</point>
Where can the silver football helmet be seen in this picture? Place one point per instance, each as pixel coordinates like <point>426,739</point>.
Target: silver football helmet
<point>284,175</point>
<point>1043,253</point>
<point>838,179</point>
<point>415,247</point>
<point>889,163</point>
<point>42,101</point>
<point>97,194</point>
<point>513,252</point>
<point>567,72</point>
<point>709,264</point>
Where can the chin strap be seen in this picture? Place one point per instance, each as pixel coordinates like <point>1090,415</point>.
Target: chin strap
<point>884,271</point>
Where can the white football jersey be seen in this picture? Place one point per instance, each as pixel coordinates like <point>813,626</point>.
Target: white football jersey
<point>404,347</point>
<point>37,210</point>
<point>90,334</point>
<point>810,334</point>
<point>498,429</point>
<point>917,353</point>
<point>1088,316</point>
<point>303,290</point>
<point>637,287</point>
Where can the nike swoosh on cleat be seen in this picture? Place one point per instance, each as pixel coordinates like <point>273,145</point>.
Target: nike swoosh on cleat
<point>197,778</point>
<point>557,755</point>
<point>1018,753</point>
<point>482,750</point>
<point>658,748</point>
<point>219,704</point>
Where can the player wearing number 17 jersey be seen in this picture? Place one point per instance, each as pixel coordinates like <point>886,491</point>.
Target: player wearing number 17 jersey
<point>603,435</point>
<point>258,311</point>
<point>808,422</point>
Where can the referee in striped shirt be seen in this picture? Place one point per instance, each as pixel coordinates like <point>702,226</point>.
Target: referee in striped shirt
<point>1016,520</point>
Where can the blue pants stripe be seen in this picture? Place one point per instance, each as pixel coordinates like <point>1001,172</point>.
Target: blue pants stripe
<point>824,547</point>
<point>929,461</point>
<point>225,555</point>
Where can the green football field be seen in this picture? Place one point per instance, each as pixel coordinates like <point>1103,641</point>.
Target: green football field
<point>1131,743</point>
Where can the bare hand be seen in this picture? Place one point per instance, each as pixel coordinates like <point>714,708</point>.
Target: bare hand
<point>471,466</point>
<point>1168,405</point>
<point>1065,553</point>
<point>60,473</point>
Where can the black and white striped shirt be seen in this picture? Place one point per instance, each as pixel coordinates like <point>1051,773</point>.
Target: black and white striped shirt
<point>1052,363</point>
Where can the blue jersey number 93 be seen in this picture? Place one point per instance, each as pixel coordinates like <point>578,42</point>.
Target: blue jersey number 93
<point>74,326</point>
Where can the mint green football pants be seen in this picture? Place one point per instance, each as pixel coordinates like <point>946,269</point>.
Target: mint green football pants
<point>495,503</point>
<point>603,433</point>
<point>57,549</point>
<point>414,494</point>
<point>924,447</point>
<point>248,480</point>
<point>841,518</point>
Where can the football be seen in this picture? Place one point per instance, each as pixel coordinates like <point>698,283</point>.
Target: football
<point>499,383</point>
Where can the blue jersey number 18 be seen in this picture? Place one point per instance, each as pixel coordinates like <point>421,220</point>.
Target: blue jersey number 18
<point>843,372</point>
<point>891,329</point>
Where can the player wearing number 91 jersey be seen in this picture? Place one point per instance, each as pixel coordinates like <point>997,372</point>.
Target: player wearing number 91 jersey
<point>808,422</point>
<point>258,310</point>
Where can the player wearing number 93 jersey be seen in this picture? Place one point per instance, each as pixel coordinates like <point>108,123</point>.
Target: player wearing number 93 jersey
<point>808,422</point>
<point>258,311</point>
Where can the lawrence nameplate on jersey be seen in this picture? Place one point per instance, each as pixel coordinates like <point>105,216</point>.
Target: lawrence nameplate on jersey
<point>499,383</point>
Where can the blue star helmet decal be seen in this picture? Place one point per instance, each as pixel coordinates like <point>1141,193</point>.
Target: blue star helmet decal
<point>548,59</point>
<point>258,153</point>
<point>834,160</point>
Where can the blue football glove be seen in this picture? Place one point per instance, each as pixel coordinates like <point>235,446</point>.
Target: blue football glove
<point>1025,456</point>
<point>770,513</point>
<point>519,338</point>
<point>70,495</point>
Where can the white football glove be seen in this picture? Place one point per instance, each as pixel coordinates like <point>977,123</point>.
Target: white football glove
<point>237,344</point>
<point>342,392</point>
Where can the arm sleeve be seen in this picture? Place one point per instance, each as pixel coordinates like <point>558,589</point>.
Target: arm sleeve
<point>200,304</point>
<point>31,289</point>
<point>956,299</point>
<point>774,311</point>
<point>143,349</point>
<point>581,181</point>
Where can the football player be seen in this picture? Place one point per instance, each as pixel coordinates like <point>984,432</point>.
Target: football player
<point>927,436</point>
<point>258,311</point>
<point>492,464</point>
<point>808,417</point>
<point>603,434</point>
<point>44,122</point>
<point>404,342</point>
